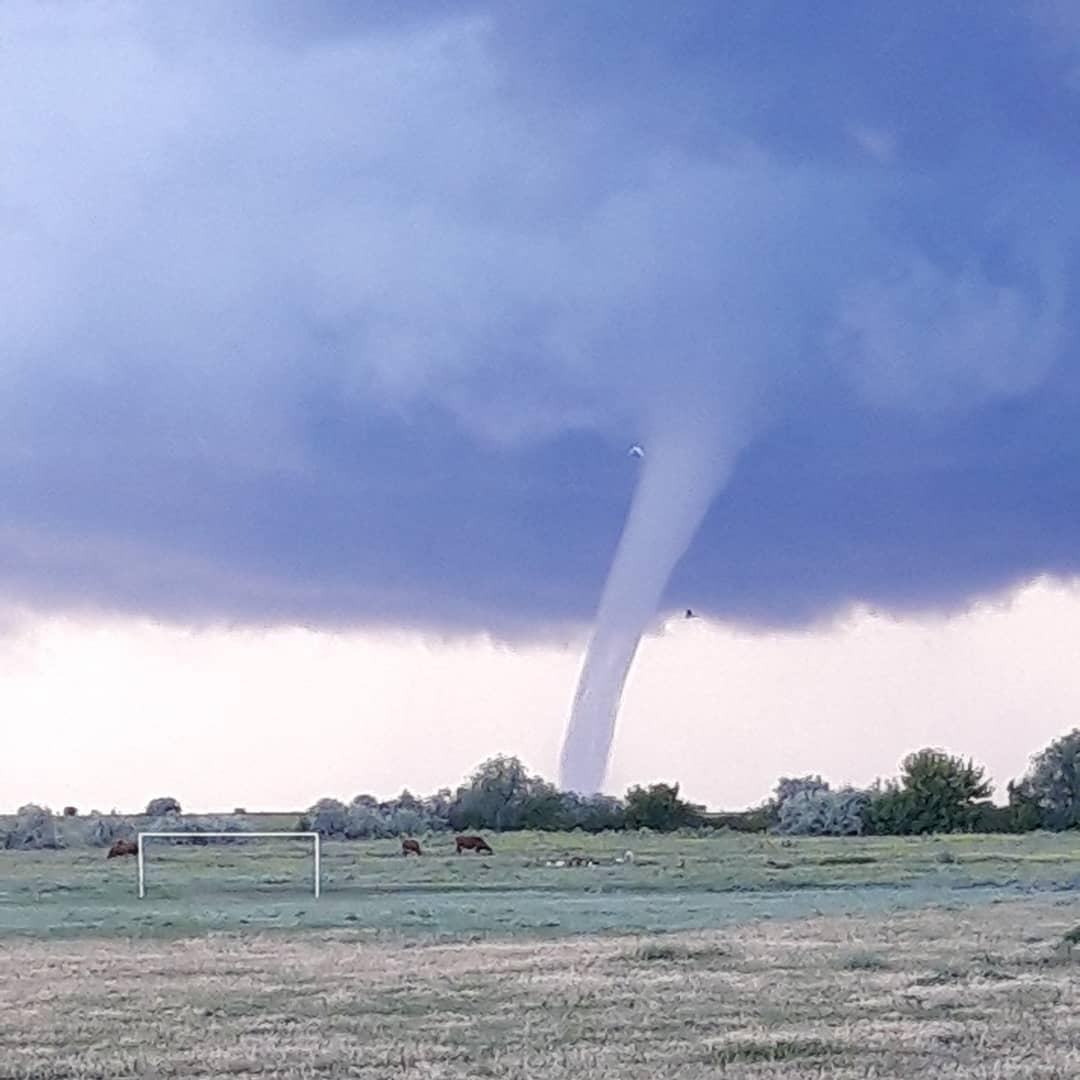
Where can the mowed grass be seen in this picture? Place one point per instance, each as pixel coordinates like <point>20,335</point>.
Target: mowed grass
<point>986,991</point>
<point>704,956</point>
<point>370,890</point>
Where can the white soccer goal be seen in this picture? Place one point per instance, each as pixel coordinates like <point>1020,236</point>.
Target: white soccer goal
<point>312,836</point>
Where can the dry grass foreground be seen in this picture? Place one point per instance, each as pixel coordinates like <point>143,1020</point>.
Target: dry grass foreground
<point>981,992</point>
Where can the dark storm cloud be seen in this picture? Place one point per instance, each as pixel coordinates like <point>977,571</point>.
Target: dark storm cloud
<point>335,313</point>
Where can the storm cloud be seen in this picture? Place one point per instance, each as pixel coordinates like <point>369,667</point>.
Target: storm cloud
<point>324,313</point>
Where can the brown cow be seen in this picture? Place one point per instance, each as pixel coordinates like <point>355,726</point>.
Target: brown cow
<point>410,847</point>
<point>472,843</point>
<point>123,847</point>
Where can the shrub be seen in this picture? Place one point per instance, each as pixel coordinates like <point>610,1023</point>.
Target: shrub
<point>756,820</point>
<point>590,813</point>
<point>659,807</point>
<point>404,821</point>
<point>194,826</point>
<point>437,809</point>
<point>34,829</point>
<point>364,821</point>
<point>162,806</point>
<point>789,786</point>
<point>935,793</point>
<point>366,818</point>
<point>988,818</point>
<point>407,815</point>
<point>817,811</point>
<point>105,831</point>
<point>502,795</point>
<point>1049,795</point>
<point>328,817</point>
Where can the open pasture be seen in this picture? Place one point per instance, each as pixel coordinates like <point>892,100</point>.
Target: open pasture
<point>985,991</point>
<point>369,888</point>
<point>706,956</point>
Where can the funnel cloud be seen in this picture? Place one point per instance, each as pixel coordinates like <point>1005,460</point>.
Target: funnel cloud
<point>680,476</point>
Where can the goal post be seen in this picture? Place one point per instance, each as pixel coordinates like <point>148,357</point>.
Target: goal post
<point>316,848</point>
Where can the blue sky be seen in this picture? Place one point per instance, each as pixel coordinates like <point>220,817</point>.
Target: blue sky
<point>331,314</point>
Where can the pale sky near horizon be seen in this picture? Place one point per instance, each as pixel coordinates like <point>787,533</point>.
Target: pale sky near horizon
<point>111,712</point>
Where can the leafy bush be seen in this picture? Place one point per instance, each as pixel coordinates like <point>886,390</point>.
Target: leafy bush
<point>196,825</point>
<point>361,821</point>
<point>437,809</point>
<point>757,820</point>
<point>34,829</point>
<point>408,815</point>
<point>328,817</point>
<point>590,813</point>
<point>935,793</point>
<point>659,807</point>
<point>366,818</point>
<point>789,786</point>
<point>105,831</point>
<point>988,818</point>
<point>162,806</point>
<point>502,795</point>
<point>817,811</point>
<point>1048,796</point>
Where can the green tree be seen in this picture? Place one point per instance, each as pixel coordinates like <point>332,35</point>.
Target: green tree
<point>328,817</point>
<point>1049,794</point>
<point>659,807</point>
<point>591,813</point>
<point>502,795</point>
<point>936,792</point>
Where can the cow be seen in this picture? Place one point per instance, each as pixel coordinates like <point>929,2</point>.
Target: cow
<point>410,847</point>
<point>123,847</point>
<point>472,843</point>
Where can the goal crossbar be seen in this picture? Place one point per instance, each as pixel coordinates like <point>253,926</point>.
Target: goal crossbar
<point>199,835</point>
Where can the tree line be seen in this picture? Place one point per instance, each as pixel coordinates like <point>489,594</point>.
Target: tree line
<point>934,792</point>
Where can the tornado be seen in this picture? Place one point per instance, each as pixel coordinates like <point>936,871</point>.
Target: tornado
<point>682,471</point>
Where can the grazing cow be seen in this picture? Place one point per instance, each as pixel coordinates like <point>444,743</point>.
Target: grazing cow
<point>123,847</point>
<point>410,847</point>
<point>472,843</point>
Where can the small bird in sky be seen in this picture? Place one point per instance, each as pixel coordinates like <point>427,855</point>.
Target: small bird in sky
<point>636,451</point>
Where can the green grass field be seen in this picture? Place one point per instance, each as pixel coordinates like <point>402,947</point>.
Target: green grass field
<point>674,883</point>
<point>720,955</point>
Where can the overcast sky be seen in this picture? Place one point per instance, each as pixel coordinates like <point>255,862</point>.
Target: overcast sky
<point>342,317</point>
